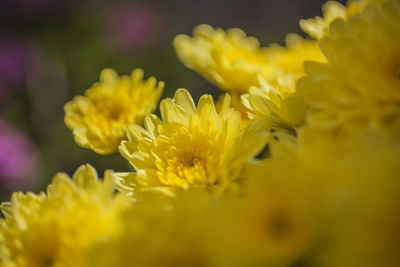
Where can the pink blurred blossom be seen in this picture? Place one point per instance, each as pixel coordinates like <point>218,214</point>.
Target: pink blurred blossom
<point>18,159</point>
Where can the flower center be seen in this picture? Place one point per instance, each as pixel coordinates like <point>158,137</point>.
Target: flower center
<point>186,170</point>
<point>190,162</point>
<point>395,70</point>
<point>189,159</point>
<point>279,226</point>
<point>114,112</point>
<point>47,262</point>
<point>192,170</point>
<point>117,112</point>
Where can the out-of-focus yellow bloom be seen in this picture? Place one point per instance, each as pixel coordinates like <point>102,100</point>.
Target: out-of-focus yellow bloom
<point>271,225</point>
<point>275,98</point>
<point>229,59</point>
<point>98,119</point>
<point>58,228</point>
<point>237,64</point>
<point>155,236</point>
<point>359,86</point>
<point>313,202</point>
<point>353,184</point>
<point>318,27</point>
<point>190,147</point>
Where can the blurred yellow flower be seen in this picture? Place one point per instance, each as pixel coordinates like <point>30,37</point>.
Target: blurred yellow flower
<point>359,86</point>
<point>276,98</point>
<point>229,59</point>
<point>190,147</point>
<point>351,185</point>
<point>237,64</point>
<point>318,27</point>
<point>272,224</point>
<point>98,119</point>
<point>58,228</point>
<point>155,236</point>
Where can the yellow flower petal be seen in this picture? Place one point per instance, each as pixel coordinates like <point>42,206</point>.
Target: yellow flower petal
<point>200,148</point>
<point>99,118</point>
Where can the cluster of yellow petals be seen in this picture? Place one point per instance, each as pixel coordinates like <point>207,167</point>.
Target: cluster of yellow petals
<point>153,235</point>
<point>190,147</point>
<point>229,59</point>
<point>237,64</point>
<point>276,97</point>
<point>318,27</point>
<point>99,118</point>
<point>358,88</point>
<point>323,112</point>
<point>58,228</point>
<point>350,188</point>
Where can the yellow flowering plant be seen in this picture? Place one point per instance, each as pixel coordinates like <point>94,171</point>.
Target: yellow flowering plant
<point>98,119</point>
<point>190,147</point>
<point>318,27</point>
<point>362,92</point>
<point>58,228</point>
<point>296,165</point>
<point>265,77</point>
<point>229,59</point>
<point>276,96</point>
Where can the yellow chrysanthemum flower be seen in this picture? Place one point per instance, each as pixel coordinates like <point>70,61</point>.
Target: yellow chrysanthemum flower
<point>236,63</point>
<point>237,104</point>
<point>353,183</point>
<point>272,224</point>
<point>229,59</point>
<point>276,97</point>
<point>190,147</point>
<point>318,27</point>
<point>58,228</point>
<point>98,119</point>
<point>155,236</point>
<point>359,86</point>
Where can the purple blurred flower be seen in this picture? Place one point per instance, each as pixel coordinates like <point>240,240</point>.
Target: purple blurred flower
<point>13,60</point>
<point>18,159</point>
<point>133,26</point>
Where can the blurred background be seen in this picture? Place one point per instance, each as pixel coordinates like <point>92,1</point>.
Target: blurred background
<point>52,50</point>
